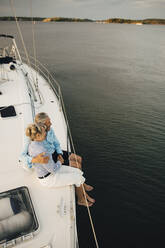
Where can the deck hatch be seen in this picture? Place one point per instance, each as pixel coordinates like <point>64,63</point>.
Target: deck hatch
<point>8,111</point>
<point>6,60</point>
<point>17,216</point>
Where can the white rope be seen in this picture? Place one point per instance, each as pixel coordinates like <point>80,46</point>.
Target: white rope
<point>71,139</point>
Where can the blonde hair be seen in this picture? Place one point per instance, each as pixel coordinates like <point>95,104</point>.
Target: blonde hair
<point>41,118</point>
<point>33,129</point>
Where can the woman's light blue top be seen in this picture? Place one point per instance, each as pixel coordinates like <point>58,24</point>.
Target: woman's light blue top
<point>50,143</point>
<point>36,148</point>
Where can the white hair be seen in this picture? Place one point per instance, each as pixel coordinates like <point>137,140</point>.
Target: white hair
<point>41,118</point>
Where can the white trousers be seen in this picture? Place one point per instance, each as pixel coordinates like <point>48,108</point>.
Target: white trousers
<point>64,176</point>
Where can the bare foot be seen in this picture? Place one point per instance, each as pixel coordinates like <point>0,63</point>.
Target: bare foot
<point>83,203</point>
<point>90,199</point>
<point>88,187</point>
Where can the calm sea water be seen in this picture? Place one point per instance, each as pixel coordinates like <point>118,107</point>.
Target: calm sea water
<point>113,83</point>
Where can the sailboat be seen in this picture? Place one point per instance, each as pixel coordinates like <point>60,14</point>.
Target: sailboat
<point>31,216</point>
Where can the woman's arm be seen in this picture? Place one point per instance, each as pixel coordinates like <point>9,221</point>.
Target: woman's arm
<point>40,159</point>
<point>24,157</point>
<point>29,160</point>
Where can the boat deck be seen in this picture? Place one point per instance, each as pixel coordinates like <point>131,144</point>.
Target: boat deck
<point>54,208</point>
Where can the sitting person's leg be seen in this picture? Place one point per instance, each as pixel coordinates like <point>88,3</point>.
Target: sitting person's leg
<point>81,198</point>
<point>71,159</point>
<point>75,164</point>
<point>65,157</point>
<point>64,176</point>
<point>67,175</point>
<point>75,157</point>
<point>78,181</point>
<point>88,187</point>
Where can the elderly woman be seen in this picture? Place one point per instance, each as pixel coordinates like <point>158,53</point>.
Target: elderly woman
<point>52,144</point>
<point>54,174</point>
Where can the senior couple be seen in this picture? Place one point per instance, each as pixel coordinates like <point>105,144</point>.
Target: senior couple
<point>43,151</point>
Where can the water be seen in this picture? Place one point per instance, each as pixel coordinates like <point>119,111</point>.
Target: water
<point>112,79</point>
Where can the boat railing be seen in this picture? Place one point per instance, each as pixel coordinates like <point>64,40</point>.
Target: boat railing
<point>43,71</point>
<point>12,50</point>
<point>9,48</point>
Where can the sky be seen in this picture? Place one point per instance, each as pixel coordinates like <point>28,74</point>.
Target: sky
<point>92,9</point>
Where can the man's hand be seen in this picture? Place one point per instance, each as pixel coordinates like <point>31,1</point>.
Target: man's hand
<point>40,159</point>
<point>60,158</point>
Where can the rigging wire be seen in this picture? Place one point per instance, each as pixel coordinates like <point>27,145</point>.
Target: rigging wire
<point>34,51</point>
<point>34,43</point>
<point>19,30</point>
<point>24,47</point>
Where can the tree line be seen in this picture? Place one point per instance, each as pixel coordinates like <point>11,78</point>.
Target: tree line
<point>65,19</point>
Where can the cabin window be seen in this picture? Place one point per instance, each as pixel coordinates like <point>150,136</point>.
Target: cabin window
<point>8,111</point>
<point>17,215</point>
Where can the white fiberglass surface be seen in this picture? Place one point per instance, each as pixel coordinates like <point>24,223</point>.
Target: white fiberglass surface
<point>54,207</point>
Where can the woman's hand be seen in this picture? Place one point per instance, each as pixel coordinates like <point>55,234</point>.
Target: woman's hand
<point>40,159</point>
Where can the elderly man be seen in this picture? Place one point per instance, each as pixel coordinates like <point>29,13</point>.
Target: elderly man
<point>52,145</point>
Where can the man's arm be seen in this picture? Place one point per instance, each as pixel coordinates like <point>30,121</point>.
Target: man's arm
<point>55,141</point>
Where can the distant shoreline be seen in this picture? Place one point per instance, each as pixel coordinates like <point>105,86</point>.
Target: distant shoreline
<point>151,21</point>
